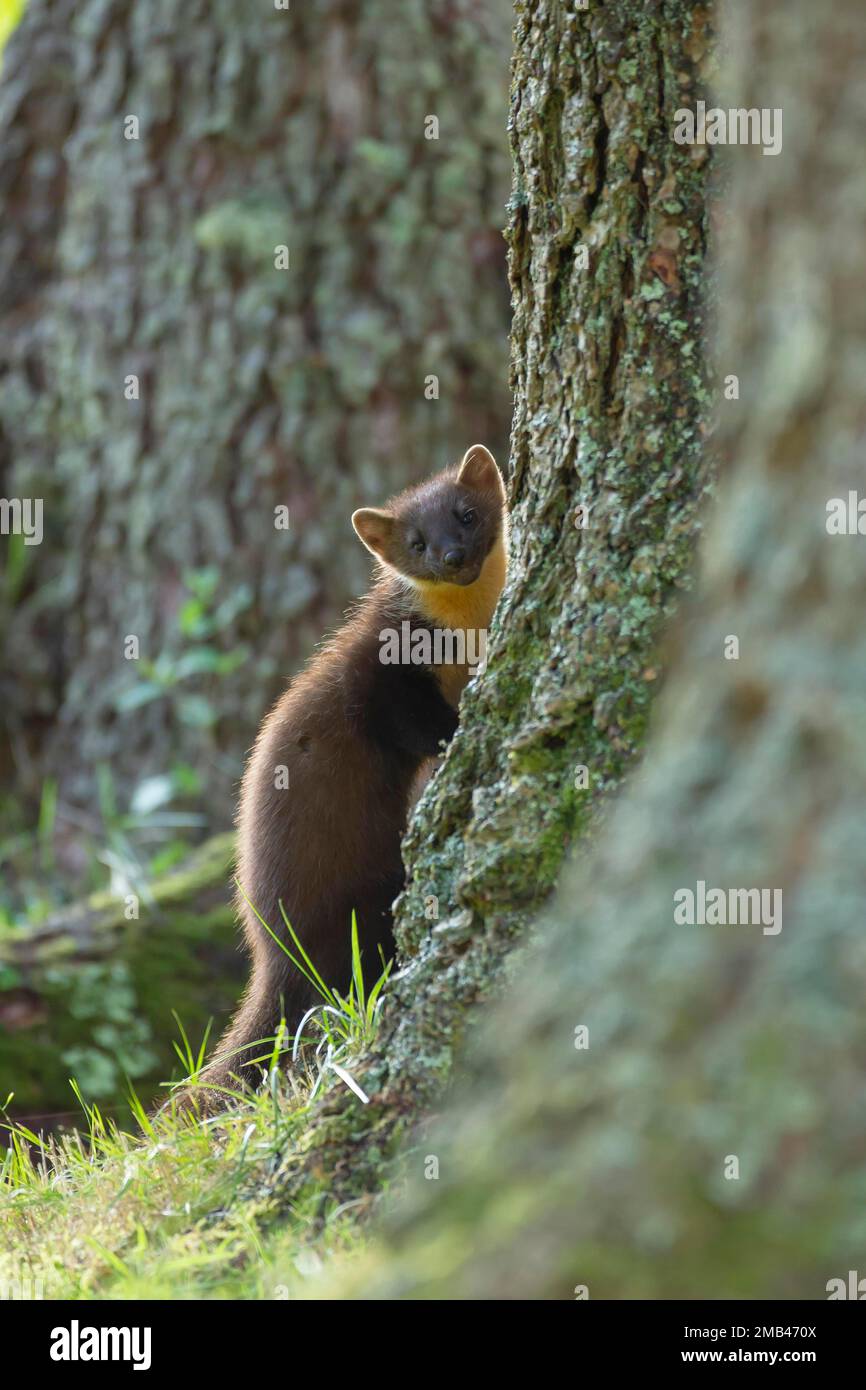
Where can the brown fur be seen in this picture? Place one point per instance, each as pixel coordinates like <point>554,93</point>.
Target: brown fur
<point>358,739</point>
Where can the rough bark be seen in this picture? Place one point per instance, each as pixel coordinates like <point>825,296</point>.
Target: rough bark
<point>258,387</point>
<point>611,407</point>
<point>606,1167</point>
<point>91,993</point>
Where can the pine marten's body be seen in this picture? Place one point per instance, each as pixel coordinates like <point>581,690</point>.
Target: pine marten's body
<point>327,790</point>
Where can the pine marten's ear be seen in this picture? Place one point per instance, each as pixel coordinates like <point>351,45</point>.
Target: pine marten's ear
<point>479,470</point>
<point>375,528</point>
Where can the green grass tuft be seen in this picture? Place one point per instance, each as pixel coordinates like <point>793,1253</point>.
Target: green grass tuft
<point>181,1209</point>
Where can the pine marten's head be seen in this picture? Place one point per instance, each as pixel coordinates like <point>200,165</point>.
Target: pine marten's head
<point>442,531</point>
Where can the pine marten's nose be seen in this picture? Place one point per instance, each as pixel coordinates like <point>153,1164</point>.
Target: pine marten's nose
<point>454,558</point>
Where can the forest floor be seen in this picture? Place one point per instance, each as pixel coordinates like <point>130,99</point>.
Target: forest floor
<point>183,1209</point>
<point>189,1205</point>
<point>173,1205</point>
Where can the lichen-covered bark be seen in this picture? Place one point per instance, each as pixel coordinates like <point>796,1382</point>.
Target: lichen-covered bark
<point>611,409</point>
<point>259,387</point>
<point>610,414</point>
<point>92,992</point>
<point>606,1167</point>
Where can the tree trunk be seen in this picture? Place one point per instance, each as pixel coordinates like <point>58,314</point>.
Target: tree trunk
<point>709,1141</point>
<point>152,253</point>
<point>611,411</point>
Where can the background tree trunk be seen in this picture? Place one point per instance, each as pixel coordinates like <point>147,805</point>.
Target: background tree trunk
<point>259,387</point>
<point>611,412</point>
<point>611,1167</point>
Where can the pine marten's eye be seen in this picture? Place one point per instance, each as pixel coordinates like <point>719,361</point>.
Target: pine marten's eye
<point>468,517</point>
<point>418,545</point>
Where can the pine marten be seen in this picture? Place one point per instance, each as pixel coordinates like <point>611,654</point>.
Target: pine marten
<point>327,790</point>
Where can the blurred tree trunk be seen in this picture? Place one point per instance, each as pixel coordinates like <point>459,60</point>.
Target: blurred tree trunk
<point>608,467</point>
<point>258,387</point>
<point>613,1167</point>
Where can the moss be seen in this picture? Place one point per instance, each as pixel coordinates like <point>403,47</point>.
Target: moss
<point>92,995</point>
<point>248,228</point>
